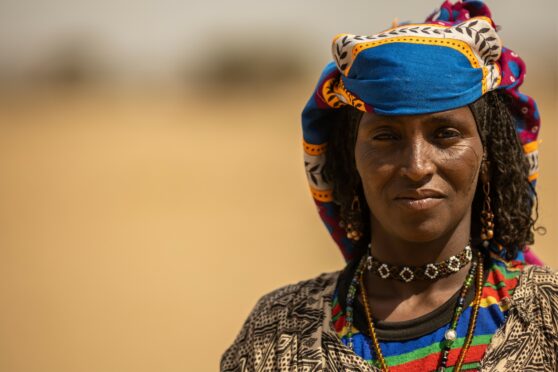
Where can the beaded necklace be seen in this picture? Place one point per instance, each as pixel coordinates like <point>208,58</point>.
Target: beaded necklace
<point>431,271</point>
<point>449,336</point>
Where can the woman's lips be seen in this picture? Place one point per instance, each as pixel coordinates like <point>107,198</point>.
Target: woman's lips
<point>419,204</point>
<point>420,199</point>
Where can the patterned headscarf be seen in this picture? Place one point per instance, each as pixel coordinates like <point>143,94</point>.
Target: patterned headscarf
<point>447,62</point>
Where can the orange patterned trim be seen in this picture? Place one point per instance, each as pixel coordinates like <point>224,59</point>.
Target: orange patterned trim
<point>328,91</point>
<point>311,149</point>
<point>530,147</point>
<point>322,195</point>
<point>484,76</point>
<point>331,90</point>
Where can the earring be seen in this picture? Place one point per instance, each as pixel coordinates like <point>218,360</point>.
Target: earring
<point>353,224</point>
<point>487,217</point>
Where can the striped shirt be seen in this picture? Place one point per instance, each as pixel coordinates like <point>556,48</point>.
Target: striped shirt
<point>421,351</point>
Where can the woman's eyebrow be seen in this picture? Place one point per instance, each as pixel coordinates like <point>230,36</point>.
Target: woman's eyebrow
<point>444,120</point>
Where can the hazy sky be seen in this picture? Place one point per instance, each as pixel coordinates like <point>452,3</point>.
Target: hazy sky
<point>150,35</point>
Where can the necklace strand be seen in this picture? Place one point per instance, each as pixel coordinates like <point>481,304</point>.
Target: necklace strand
<point>450,335</point>
<point>379,356</point>
<point>431,271</point>
<point>474,314</point>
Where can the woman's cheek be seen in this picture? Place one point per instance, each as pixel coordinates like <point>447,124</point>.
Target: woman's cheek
<point>371,169</point>
<point>375,170</point>
<point>460,166</point>
<point>375,157</point>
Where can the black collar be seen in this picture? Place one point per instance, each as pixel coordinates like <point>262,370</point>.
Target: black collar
<point>398,331</point>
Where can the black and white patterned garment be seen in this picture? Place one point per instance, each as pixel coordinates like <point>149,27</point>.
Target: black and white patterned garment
<point>290,329</point>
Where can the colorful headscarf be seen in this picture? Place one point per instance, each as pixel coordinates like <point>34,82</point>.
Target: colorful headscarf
<point>447,62</point>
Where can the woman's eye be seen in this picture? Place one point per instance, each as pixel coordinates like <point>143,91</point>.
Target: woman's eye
<point>447,133</point>
<point>384,136</point>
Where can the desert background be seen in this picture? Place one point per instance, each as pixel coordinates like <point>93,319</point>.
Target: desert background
<point>152,185</point>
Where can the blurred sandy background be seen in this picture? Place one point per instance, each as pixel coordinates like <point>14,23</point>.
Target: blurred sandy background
<point>152,186</point>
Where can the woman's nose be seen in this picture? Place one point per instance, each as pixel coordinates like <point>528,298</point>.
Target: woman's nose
<point>417,160</point>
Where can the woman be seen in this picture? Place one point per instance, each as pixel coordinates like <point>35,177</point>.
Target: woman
<point>427,185</point>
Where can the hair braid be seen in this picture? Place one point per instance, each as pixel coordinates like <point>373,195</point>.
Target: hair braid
<point>340,168</point>
<point>512,195</point>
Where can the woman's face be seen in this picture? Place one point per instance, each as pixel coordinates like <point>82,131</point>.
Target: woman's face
<point>419,172</point>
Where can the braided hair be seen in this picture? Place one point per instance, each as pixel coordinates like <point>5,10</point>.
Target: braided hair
<point>513,197</point>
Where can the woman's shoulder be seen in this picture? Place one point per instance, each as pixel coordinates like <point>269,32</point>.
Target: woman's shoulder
<point>529,338</point>
<point>294,294</point>
<point>538,281</point>
<point>284,317</point>
<point>539,274</point>
<point>537,293</point>
<point>305,296</point>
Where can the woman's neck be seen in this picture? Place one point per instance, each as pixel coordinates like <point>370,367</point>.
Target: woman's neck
<point>392,249</point>
<point>394,300</point>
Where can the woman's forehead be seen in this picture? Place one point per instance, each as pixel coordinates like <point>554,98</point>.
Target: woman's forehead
<point>458,116</point>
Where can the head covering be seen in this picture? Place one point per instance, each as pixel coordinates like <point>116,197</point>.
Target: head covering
<point>447,62</point>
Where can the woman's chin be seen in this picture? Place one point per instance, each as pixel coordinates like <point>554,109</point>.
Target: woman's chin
<point>420,232</point>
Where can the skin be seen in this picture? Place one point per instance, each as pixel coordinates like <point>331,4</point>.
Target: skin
<point>419,174</point>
